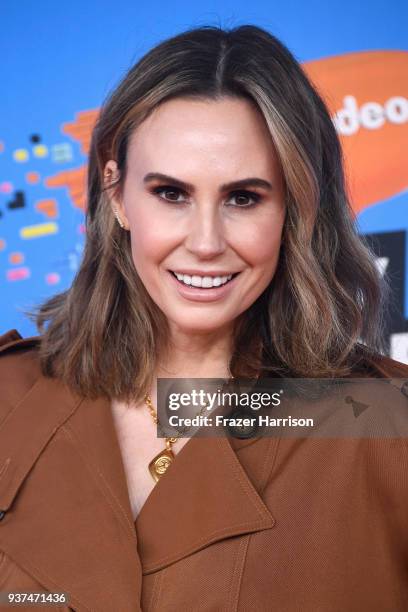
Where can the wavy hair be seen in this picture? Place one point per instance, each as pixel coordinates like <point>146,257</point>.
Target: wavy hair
<point>322,314</point>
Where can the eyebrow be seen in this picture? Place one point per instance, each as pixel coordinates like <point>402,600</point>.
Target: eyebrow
<point>247,182</point>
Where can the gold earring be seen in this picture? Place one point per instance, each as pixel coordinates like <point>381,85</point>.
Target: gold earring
<point>119,220</point>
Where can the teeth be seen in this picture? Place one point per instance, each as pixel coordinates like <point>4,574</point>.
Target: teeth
<point>203,281</point>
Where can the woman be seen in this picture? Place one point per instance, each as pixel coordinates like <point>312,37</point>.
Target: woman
<point>219,243</point>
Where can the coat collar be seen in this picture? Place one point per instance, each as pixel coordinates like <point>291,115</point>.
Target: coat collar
<point>68,520</point>
<point>206,496</point>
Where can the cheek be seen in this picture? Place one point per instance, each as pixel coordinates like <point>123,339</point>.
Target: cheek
<point>150,236</point>
<point>260,243</point>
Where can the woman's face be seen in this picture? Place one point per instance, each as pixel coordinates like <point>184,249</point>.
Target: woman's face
<point>217,209</point>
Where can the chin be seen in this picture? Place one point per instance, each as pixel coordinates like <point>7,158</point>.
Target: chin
<point>197,327</point>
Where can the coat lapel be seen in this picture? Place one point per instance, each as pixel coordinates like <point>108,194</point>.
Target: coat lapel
<point>68,520</point>
<point>205,496</point>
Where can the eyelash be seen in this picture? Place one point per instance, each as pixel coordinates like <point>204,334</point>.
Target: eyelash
<point>250,194</point>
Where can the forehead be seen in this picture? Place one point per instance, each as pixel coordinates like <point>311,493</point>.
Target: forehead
<point>223,129</point>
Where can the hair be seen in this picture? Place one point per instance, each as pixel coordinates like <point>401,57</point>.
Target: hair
<point>323,312</point>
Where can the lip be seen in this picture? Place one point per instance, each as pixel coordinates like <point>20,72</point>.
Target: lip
<point>196,294</point>
<point>192,272</point>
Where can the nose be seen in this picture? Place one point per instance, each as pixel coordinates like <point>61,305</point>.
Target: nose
<point>206,234</point>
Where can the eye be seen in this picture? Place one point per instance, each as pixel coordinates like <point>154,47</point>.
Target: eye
<point>242,198</point>
<point>172,193</point>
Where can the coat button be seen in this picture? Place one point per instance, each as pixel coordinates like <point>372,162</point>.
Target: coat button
<point>242,430</point>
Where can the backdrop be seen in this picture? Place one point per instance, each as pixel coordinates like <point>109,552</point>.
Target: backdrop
<point>59,60</point>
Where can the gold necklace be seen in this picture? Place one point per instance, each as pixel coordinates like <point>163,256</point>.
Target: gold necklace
<point>160,463</point>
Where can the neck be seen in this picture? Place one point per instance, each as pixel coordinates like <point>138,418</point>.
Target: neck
<point>196,356</point>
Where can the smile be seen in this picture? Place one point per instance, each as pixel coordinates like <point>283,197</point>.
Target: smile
<point>203,282</point>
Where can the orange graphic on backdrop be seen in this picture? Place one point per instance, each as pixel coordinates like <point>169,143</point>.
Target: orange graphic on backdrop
<point>49,207</point>
<point>16,258</point>
<point>32,177</point>
<point>367,94</point>
<point>81,129</point>
<point>75,180</point>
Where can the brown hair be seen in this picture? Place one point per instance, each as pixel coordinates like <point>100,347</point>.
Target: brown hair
<point>322,313</point>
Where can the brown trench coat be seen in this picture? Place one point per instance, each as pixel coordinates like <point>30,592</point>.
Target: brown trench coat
<point>235,525</point>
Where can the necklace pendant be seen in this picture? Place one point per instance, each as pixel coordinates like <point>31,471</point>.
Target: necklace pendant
<point>159,464</point>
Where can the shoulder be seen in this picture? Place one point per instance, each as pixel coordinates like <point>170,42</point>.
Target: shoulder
<point>376,365</point>
<point>19,368</point>
<point>391,367</point>
<point>12,341</point>
<point>382,369</point>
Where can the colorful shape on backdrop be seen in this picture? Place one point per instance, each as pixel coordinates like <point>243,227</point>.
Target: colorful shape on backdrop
<point>17,202</point>
<point>16,258</point>
<point>49,207</point>
<point>32,177</point>
<point>21,155</point>
<point>17,274</point>
<point>73,180</point>
<point>40,150</point>
<point>38,231</point>
<point>52,278</point>
<point>75,256</point>
<point>3,244</point>
<point>367,93</point>
<point>6,187</point>
<point>35,138</point>
<point>81,128</point>
<point>2,146</point>
<point>62,152</point>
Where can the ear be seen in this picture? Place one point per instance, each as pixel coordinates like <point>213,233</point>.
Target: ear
<point>110,176</point>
